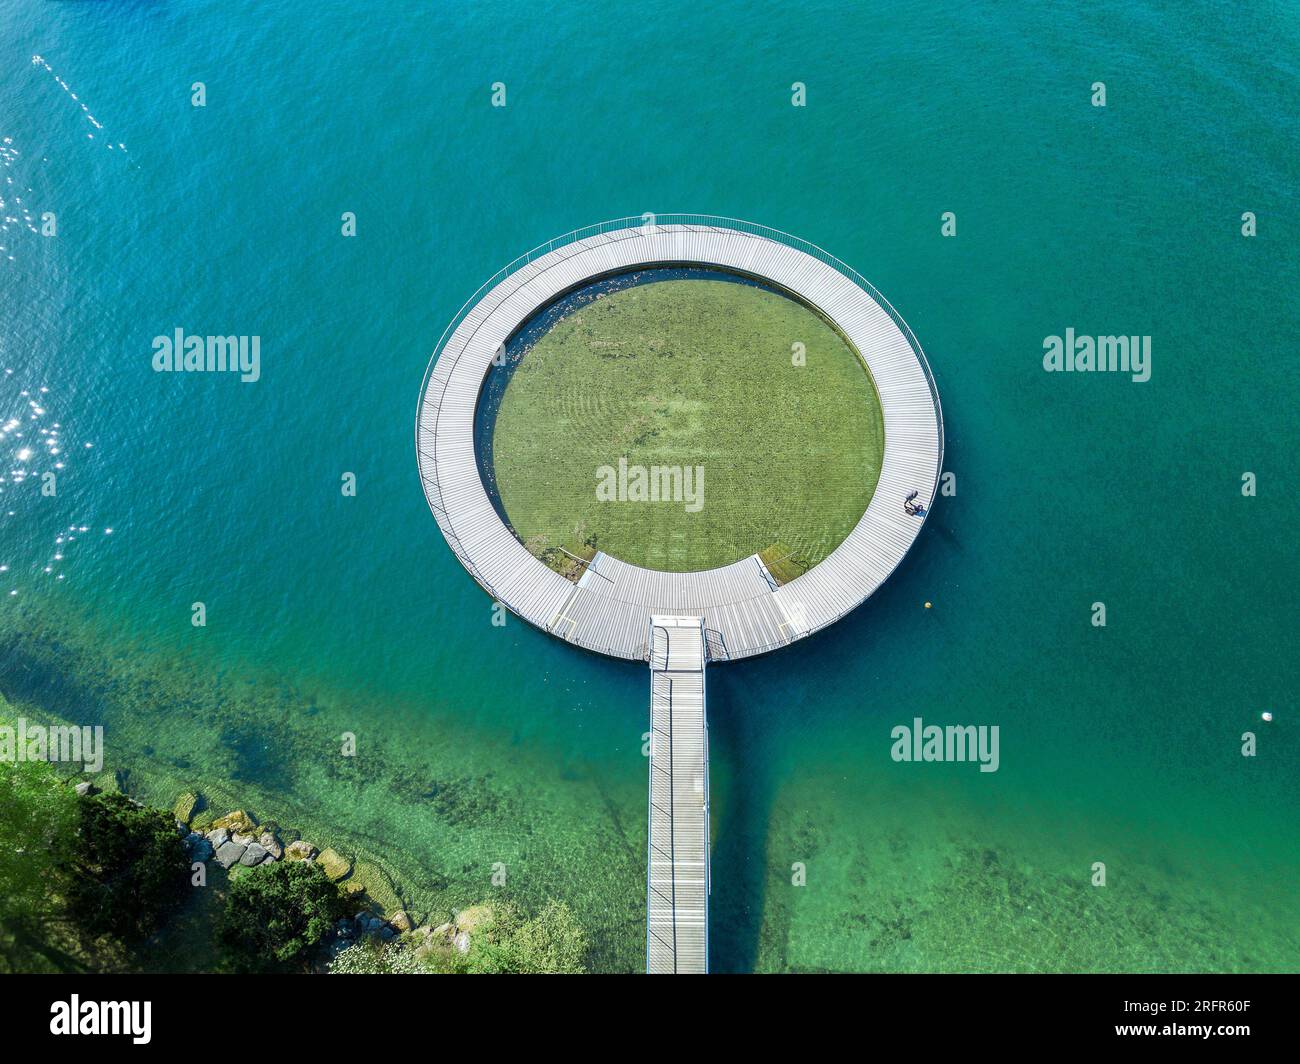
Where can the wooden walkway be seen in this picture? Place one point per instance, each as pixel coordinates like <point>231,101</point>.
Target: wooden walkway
<point>677,879</point>
<point>610,609</point>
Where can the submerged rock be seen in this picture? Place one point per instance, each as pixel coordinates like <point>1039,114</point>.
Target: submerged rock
<point>109,782</point>
<point>202,820</point>
<point>378,887</point>
<point>335,864</point>
<point>474,917</point>
<point>186,806</point>
<point>401,920</point>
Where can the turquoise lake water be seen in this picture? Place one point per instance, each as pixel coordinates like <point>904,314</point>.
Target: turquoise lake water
<point>482,746</point>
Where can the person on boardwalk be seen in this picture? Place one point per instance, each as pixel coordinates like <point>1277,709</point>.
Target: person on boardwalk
<point>913,507</point>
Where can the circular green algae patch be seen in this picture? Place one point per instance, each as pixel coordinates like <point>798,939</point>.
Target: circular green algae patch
<point>684,424</point>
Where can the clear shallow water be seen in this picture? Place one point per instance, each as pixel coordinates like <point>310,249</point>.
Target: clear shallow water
<point>481,744</point>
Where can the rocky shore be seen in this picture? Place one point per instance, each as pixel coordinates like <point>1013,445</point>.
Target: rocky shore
<point>237,840</point>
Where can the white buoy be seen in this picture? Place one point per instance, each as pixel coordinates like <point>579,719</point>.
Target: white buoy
<point>1267,715</point>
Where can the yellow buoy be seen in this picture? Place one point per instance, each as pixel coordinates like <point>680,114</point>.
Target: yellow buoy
<point>927,605</point>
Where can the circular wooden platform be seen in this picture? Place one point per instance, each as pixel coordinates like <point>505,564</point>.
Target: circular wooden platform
<point>609,609</point>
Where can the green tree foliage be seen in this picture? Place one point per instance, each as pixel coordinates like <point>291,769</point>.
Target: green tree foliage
<point>129,871</point>
<point>38,816</point>
<point>276,915</point>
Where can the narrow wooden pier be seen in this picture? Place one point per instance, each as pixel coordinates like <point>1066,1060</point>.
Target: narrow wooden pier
<point>677,879</point>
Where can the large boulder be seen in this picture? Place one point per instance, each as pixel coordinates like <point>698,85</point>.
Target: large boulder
<point>254,854</point>
<point>85,789</point>
<point>271,845</point>
<point>238,821</point>
<point>229,854</point>
<point>186,806</point>
<point>300,851</point>
<point>401,920</point>
<point>218,837</point>
<point>335,864</point>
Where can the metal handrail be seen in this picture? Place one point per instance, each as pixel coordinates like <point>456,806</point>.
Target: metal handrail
<point>668,645</point>
<point>647,223</point>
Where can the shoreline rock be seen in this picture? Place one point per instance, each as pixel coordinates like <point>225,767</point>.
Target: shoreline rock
<point>186,806</point>
<point>300,851</point>
<point>336,866</point>
<point>254,854</point>
<point>237,822</point>
<point>236,839</point>
<point>229,854</point>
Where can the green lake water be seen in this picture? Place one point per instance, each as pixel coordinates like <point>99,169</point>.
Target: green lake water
<point>480,746</point>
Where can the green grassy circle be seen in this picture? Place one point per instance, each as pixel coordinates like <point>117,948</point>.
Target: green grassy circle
<point>680,375</point>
